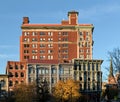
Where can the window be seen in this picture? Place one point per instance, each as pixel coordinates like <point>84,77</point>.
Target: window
<point>84,68</point>
<point>50,45</point>
<point>22,81</point>
<point>43,71</point>
<point>88,79</point>
<point>42,57</point>
<point>34,45</point>
<point>59,39</point>
<point>81,50</point>
<point>86,44</point>
<point>39,71</point>
<point>50,57</point>
<point>87,33</point>
<point>92,66</point>
<point>96,66</point>
<point>59,33</point>
<point>26,39</point>
<point>26,51</point>
<point>42,39</point>
<point>88,50</point>
<point>34,51</point>
<point>34,39</point>
<point>79,67</point>
<point>26,33</point>
<point>34,57</point>
<point>50,33</point>
<point>88,67</point>
<point>16,82</point>
<point>65,51</point>
<point>10,83</point>
<point>42,51</point>
<point>11,67</point>
<point>61,71</point>
<point>50,39</point>
<point>16,74</point>
<point>88,86</point>
<point>65,39</point>
<point>50,51</point>
<point>22,74</point>
<point>22,67</point>
<point>65,56</point>
<point>87,38</point>
<point>65,33</point>
<point>80,39</point>
<point>64,45</point>
<point>30,70</point>
<point>16,67</point>
<point>34,33</point>
<point>81,56</point>
<point>42,45</point>
<point>81,34</point>
<point>26,45</point>
<point>10,74</point>
<point>53,70</point>
<point>29,80</point>
<point>26,57</point>
<point>52,80</point>
<point>80,78</point>
<point>42,33</point>
<point>80,44</point>
<point>3,83</point>
<point>46,71</point>
<point>88,56</point>
<point>85,85</point>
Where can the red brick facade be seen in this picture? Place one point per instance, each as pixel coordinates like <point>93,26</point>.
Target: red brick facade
<point>17,73</point>
<point>61,42</point>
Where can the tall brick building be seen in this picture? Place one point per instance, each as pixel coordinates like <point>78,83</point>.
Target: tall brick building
<point>54,52</point>
<point>61,42</point>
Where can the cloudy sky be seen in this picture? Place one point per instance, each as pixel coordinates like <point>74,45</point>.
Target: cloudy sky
<point>103,14</point>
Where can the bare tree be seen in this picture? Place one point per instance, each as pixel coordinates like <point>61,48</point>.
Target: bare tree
<point>115,56</point>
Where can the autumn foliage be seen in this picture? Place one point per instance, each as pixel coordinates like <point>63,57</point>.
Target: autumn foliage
<point>68,90</point>
<point>24,93</point>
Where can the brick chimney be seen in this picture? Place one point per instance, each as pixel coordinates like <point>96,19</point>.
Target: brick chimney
<point>25,20</point>
<point>73,17</point>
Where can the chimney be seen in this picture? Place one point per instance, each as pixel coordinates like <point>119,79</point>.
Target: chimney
<point>73,17</point>
<point>25,20</point>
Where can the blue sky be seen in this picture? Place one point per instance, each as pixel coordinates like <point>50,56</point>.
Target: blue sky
<point>103,14</point>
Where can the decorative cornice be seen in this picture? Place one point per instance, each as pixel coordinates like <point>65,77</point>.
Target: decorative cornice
<point>47,27</point>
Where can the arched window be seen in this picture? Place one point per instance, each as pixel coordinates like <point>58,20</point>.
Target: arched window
<point>22,67</point>
<point>16,67</point>
<point>10,74</point>
<point>10,83</point>
<point>22,74</point>
<point>16,74</point>
<point>16,82</point>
